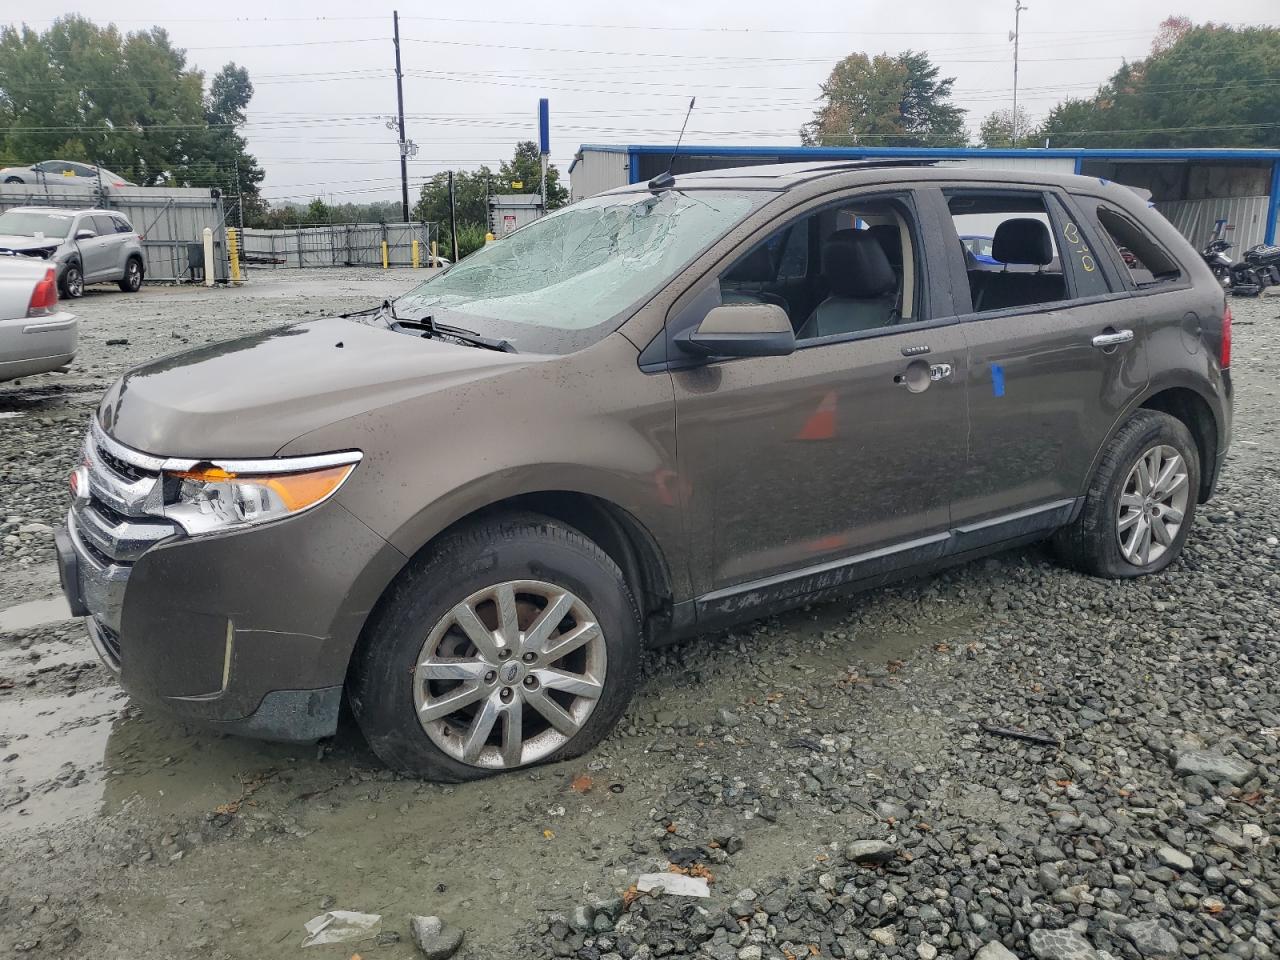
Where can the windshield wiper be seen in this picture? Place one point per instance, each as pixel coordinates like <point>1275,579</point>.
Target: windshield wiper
<point>385,309</point>
<point>436,331</point>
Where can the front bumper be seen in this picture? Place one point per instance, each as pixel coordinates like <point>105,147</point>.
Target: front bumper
<point>249,630</point>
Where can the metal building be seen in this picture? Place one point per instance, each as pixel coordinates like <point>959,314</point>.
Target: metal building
<point>1192,188</point>
<point>511,211</point>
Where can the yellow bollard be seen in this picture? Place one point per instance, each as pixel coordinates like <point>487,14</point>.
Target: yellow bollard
<point>489,238</point>
<point>415,254</point>
<point>233,253</point>
<point>435,255</point>
<point>384,254</point>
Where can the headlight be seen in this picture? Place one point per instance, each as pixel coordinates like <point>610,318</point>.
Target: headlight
<point>208,497</point>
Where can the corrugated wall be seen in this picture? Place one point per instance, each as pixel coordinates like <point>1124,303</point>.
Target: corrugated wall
<point>1195,218</point>
<point>597,172</point>
<point>170,219</point>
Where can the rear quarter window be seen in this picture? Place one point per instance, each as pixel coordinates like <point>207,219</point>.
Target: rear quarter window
<point>1146,262</point>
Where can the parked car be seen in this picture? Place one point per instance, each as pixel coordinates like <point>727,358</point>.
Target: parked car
<point>35,335</point>
<point>980,247</point>
<point>468,507</point>
<point>86,246</point>
<point>47,170</point>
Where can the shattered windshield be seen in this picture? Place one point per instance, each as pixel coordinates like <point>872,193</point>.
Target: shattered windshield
<point>578,268</point>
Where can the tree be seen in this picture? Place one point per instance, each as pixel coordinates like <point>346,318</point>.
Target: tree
<point>1201,86</point>
<point>127,102</point>
<point>526,167</point>
<point>997,129</point>
<point>886,101</point>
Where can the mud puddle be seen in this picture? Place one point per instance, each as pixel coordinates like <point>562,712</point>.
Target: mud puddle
<point>51,751</point>
<point>34,613</point>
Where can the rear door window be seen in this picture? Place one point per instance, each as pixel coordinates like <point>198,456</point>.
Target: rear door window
<point>1022,265</point>
<point>122,225</point>
<point>104,226</point>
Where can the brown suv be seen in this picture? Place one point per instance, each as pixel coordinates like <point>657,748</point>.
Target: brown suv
<point>658,411</point>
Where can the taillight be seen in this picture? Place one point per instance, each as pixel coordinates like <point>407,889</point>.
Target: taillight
<point>44,298</point>
<point>1224,357</point>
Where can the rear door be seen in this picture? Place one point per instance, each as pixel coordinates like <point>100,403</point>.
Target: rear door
<point>1055,353</point>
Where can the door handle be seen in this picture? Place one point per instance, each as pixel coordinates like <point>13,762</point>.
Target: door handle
<point>1113,339</point>
<point>939,371</point>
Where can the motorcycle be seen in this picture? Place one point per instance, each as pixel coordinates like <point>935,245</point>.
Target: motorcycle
<point>1259,269</point>
<point>1215,254</point>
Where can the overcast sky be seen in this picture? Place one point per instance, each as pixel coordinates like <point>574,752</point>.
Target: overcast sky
<point>614,73</point>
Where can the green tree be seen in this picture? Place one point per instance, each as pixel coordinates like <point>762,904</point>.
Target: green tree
<point>526,167</point>
<point>128,102</point>
<point>231,167</point>
<point>886,101</point>
<point>997,129</point>
<point>468,193</point>
<point>1202,86</point>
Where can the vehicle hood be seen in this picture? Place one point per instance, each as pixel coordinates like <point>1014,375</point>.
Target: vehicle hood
<point>25,244</point>
<point>252,396</point>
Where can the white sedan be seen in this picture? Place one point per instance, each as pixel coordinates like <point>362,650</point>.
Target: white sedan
<point>36,336</point>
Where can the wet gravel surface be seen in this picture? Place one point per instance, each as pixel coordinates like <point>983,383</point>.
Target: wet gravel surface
<point>831,773</point>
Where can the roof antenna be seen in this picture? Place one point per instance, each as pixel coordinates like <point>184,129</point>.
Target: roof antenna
<point>665,181</point>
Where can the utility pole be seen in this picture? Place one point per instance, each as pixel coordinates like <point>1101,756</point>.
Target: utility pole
<point>404,145</point>
<point>453,221</point>
<point>1013,121</point>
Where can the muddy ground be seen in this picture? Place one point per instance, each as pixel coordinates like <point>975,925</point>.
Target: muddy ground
<point>125,834</point>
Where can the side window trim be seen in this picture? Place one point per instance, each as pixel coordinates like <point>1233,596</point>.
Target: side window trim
<point>1077,255</point>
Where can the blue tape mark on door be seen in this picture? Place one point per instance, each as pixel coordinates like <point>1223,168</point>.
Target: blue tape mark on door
<point>997,380</point>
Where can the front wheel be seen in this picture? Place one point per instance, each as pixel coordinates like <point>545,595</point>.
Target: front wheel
<point>510,643</point>
<point>72,281</point>
<point>131,282</point>
<point>1141,503</point>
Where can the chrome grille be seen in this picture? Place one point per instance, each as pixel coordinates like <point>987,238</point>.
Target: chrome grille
<point>118,521</point>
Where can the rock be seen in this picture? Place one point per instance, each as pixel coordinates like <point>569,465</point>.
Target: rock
<point>995,950</point>
<point>751,951</point>
<point>883,936</point>
<point>436,939</point>
<point>1060,945</point>
<point>582,918</point>
<point>1175,859</point>
<point>926,951</point>
<point>1214,767</point>
<point>1151,939</point>
<point>870,851</point>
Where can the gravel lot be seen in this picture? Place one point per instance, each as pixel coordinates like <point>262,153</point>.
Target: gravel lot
<point>828,770</point>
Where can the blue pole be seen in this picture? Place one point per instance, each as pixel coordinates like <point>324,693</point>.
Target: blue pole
<point>1273,210</point>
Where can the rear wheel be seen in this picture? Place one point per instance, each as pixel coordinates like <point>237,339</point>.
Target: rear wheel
<point>131,282</point>
<point>1141,503</point>
<point>72,281</point>
<point>511,643</point>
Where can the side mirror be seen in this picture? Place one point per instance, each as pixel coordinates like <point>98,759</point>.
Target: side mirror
<point>741,330</point>
<point>83,234</point>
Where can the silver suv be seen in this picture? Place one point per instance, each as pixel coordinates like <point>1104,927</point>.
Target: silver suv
<point>86,246</point>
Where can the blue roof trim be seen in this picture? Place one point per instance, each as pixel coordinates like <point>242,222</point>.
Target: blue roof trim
<point>1273,214</point>
<point>857,153</point>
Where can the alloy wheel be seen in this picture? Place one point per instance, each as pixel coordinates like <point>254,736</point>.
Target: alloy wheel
<point>133,276</point>
<point>510,674</point>
<point>1153,504</point>
<point>75,282</point>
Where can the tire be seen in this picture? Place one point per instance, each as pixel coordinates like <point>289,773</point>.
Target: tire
<point>416,634</point>
<point>131,282</point>
<point>14,180</point>
<point>1101,540</point>
<point>72,281</point>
